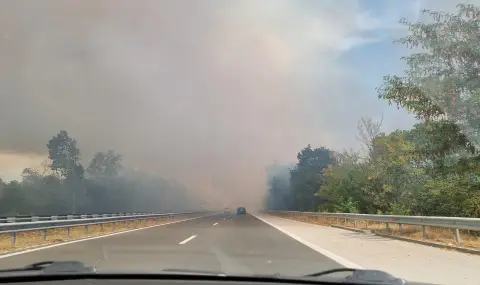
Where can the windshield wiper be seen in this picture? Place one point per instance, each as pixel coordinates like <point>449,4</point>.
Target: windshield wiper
<point>52,267</point>
<point>363,276</point>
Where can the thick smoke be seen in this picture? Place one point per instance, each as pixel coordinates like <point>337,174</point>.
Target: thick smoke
<point>278,185</point>
<point>204,92</point>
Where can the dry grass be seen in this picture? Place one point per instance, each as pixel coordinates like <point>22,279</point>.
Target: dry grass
<point>30,239</point>
<point>469,239</point>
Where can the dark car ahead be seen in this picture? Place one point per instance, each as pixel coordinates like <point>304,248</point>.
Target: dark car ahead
<point>241,211</point>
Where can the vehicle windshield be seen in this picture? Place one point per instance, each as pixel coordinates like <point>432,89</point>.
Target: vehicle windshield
<point>249,137</point>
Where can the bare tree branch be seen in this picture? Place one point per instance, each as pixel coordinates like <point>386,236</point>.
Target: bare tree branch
<point>368,130</point>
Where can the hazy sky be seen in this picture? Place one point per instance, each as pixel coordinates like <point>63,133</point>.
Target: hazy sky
<point>205,92</point>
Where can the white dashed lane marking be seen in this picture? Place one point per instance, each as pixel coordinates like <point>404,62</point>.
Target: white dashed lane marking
<point>187,240</point>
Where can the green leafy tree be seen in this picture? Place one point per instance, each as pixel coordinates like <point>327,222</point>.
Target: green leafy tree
<point>307,177</point>
<point>442,81</point>
<point>343,186</point>
<point>442,87</point>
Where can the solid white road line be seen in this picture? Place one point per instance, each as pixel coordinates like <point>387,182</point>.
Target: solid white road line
<point>331,255</point>
<point>187,240</point>
<point>215,224</point>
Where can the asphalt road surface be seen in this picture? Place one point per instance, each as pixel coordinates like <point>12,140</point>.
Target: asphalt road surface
<point>239,244</point>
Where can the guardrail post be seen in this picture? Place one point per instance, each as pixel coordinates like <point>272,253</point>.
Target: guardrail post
<point>388,227</point>
<point>14,238</point>
<point>113,226</point>
<point>101,227</point>
<point>400,228</point>
<point>68,232</point>
<point>425,235</point>
<point>44,234</point>
<point>86,229</point>
<point>458,238</point>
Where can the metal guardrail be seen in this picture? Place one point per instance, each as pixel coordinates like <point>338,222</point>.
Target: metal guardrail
<point>70,221</point>
<point>456,223</point>
<point>14,219</point>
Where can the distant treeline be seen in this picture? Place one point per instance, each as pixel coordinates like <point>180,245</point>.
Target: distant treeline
<point>64,186</point>
<point>431,169</point>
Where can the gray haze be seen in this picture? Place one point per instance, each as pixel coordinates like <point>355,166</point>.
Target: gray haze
<point>205,92</point>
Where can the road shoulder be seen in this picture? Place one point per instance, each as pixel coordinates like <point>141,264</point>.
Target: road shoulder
<point>403,259</point>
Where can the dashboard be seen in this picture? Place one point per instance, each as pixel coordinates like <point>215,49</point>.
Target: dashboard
<point>187,281</point>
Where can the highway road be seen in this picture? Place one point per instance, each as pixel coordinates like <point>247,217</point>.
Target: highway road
<point>241,245</point>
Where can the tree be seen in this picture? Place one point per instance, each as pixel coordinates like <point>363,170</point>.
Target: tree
<point>307,177</point>
<point>65,156</point>
<point>104,189</point>
<point>393,178</point>
<point>442,81</point>
<point>343,186</point>
<point>13,199</point>
<point>2,185</point>
<point>442,86</point>
<point>105,164</point>
<point>368,131</point>
<point>31,177</point>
